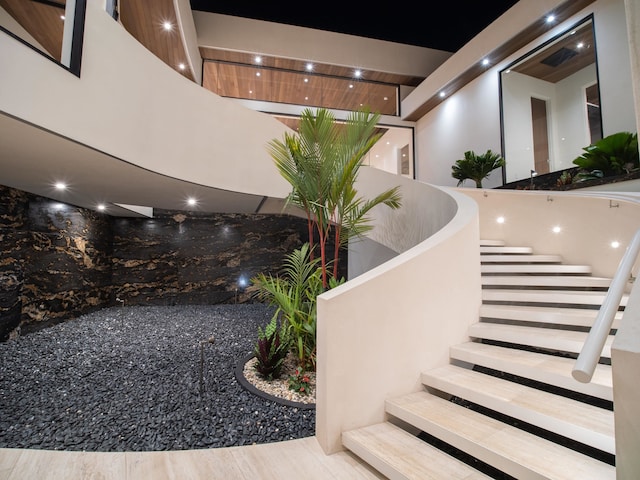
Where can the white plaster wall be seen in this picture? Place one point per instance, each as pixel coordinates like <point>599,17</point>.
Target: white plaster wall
<point>465,121</point>
<point>120,106</point>
<point>614,67</point>
<point>268,38</point>
<point>470,119</point>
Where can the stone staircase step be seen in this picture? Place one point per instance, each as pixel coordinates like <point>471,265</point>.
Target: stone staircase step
<point>492,243</point>
<point>547,338</point>
<point>535,269</point>
<point>505,250</point>
<point>548,369</point>
<point>581,422</point>
<point>577,281</point>
<point>520,258</point>
<point>507,448</point>
<point>547,296</point>
<point>578,317</point>
<point>399,455</point>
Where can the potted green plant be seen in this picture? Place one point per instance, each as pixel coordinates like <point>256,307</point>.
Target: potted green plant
<point>476,167</point>
<point>615,154</point>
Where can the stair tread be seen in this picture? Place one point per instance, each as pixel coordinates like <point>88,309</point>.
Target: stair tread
<point>547,280</point>
<point>534,268</point>
<point>398,454</point>
<point>514,451</point>
<point>492,243</point>
<point>505,250</point>
<point>582,422</point>
<point>550,338</point>
<point>520,258</point>
<point>549,369</point>
<point>542,314</point>
<point>548,296</point>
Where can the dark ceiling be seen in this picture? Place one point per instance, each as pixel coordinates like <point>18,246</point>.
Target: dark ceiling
<point>447,25</point>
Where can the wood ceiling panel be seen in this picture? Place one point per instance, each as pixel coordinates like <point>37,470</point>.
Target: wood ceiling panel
<point>284,86</point>
<point>301,66</point>
<point>42,21</point>
<point>144,20</point>
<point>584,56</point>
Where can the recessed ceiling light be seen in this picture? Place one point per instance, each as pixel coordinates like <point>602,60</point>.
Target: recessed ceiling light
<point>351,85</point>
<point>101,207</point>
<point>61,17</point>
<point>580,45</point>
<point>557,229</point>
<point>182,66</point>
<point>257,74</point>
<point>500,219</point>
<point>167,25</point>
<point>615,244</point>
<point>306,80</point>
<point>258,59</point>
<point>61,185</point>
<point>485,62</point>
<point>551,18</point>
<point>442,94</point>
<point>309,67</point>
<point>357,73</point>
<point>191,201</point>
<point>386,98</point>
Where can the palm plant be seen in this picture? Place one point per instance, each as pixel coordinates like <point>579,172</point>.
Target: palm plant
<point>321,163</point>
<point>476,167</point>
<point>293,292</point>
<point>612,155</point>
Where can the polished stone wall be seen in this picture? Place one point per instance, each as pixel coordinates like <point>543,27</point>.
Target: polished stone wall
<point>55,261</point>
<point>203,258</point>
<point>59,261</point>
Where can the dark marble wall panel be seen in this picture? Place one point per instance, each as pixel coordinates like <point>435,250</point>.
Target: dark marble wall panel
<point>179,258</point>
<point>59,261</point>
<point>68,265</point>
<point>14,240</point>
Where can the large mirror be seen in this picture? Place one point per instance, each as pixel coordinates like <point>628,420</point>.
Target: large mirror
<point>550,105</point>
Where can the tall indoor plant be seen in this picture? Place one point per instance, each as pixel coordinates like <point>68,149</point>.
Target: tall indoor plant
<point>321,162</point>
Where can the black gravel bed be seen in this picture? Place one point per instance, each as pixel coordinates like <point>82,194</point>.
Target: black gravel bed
<point>129,379</point>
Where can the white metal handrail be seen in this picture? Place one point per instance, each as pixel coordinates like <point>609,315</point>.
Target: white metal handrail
<point>592,349</point>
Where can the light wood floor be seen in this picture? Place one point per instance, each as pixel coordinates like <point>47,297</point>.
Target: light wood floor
<point>294,459</point>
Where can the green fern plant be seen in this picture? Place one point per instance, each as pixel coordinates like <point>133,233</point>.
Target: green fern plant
<point>293,292</point>
<point>271,349</point>
<point>476,167</point>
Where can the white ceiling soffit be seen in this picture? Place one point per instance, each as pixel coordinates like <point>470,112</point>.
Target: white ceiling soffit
<point>33,160</point>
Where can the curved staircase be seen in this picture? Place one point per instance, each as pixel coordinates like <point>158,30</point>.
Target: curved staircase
<point>506,406</point>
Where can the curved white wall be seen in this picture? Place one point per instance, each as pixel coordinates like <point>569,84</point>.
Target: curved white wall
<point>379,331</point>
<point>129,104</point>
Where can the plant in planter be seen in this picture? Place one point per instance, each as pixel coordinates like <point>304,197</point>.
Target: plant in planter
<point>271,349</point>
<point>321,162</point>
<point>614,154</point>
<point>293,292</point>
<point>476,167</point>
